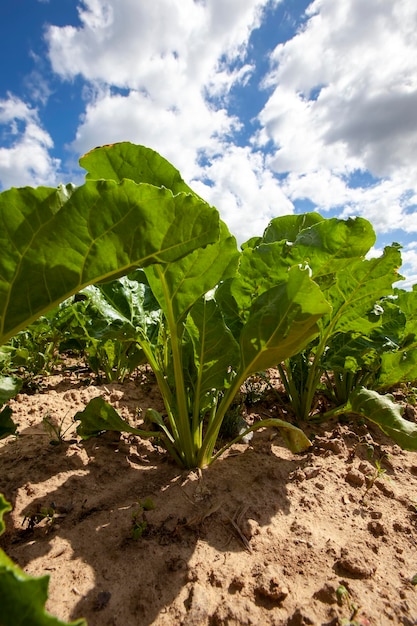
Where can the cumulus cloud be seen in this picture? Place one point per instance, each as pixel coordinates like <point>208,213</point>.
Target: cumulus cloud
<point>409,267</point>
<point>26,160</point>
<point>344,99</point>
<point>180,134</point>
<point>244,189</point>
<point>386,203</point>
<point>160,75</point>
<point>161,47</point>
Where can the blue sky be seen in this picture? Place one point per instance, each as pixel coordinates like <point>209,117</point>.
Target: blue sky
<point>267,107</point>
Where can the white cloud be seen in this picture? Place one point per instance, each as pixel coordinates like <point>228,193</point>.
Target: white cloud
<point>244,190</point>
<point>160,75</point>
<point>180,134</point>
<point>173,59</point>
<point>38,87</point>
<point>13,108</point>
<point>409,267</point>
<point>26,160</point>
<point>386,203</point>
<point>344,98</point>
<point>165,48</point>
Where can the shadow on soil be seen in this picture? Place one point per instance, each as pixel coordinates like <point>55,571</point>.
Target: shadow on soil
<point>99,505</point>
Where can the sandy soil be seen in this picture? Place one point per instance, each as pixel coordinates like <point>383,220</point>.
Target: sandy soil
<point>261,537</point>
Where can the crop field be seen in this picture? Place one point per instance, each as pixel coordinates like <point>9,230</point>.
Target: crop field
<point>193,432</point>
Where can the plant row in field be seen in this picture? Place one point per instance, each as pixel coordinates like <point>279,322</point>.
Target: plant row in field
<point>159,279</point>
<point>163,282</point>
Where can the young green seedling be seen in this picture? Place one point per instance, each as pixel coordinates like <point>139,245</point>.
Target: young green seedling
<point>139,522</point>
<point>55,428</point>
<point>379,471</point>
<point>34,518</point>
<point>354,619</point>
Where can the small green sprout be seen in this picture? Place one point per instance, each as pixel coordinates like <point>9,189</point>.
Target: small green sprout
<point>55,428</point>
<point>354,619</point>
<point>379,471</point>
<point>139,522</point>
<point>43,513</point>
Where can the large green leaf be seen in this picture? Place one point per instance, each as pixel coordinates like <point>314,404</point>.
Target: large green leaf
<point>215,349</point>
<point>7,425</point>
<point>352,351</point>
<point>99,416</point>
<point>101,230</point>
<point>9,388</point>
<point>118,300</point>
<point>349,352</point>
<point>138,163</point>
<point>407,302</point>
<point>288,227</point>
<point>383,411</point>
<point>179,284</point>
<point>335,251</point>
<point>326,245</point>
<point>400,363</point>
<point>229,307</point>
<point>260,268</point>
<point>126,306</point>
<point>388,334</point>
<point>282,321</point>
<point>23,212</point>
<point>358,287</point>
<point>398,367</point>
<point>22,597</point>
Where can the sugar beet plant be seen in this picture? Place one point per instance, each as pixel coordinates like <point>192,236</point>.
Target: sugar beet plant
<point>198,362</point>
<point>134,211</point>
<point>255,309</point>
<point>335,251</point>
<point>200,356</point>
<point>204,314</point>
<point>367,340</point>
<point>55,242</point>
